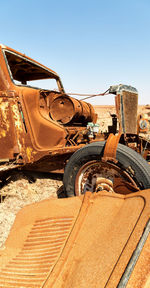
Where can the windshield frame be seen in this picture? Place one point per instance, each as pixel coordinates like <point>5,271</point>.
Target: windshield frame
<point>52,74</point>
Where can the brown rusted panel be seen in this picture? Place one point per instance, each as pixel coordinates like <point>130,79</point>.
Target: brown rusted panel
<point>85,241</point>
<point>44,133</point>
<point>140,276</point>
<point>110,232</point>
<point>29,257</point>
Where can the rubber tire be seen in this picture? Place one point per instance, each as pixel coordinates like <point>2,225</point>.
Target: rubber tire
<point>126,158</point>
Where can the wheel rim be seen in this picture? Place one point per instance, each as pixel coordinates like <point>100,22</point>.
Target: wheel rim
<point>97,176</point>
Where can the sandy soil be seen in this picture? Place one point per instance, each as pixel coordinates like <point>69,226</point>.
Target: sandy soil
<point>26,188</point>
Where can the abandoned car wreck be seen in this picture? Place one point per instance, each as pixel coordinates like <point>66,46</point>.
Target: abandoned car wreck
<point>100,238</point>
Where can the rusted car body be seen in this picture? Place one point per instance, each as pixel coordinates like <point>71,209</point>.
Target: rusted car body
<point>101,238</point>
<point>38,123</point>
<point>41,128</point>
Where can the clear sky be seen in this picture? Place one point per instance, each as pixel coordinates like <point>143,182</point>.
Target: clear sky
<point>91,44</point>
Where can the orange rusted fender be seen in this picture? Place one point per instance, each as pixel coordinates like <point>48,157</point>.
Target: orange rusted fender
<point>96,240</point>
<point>111,147</point>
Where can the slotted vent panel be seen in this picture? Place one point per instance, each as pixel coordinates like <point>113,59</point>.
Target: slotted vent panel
<point>40,252</point>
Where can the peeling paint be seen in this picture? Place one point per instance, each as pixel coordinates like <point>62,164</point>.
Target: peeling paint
<point>18,125</point>
<point>4,109</point>
<point>29,153</point>
<point>3,133</point>
<point>16,113</point>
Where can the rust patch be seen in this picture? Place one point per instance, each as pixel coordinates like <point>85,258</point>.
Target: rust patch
<point>18,126</point>
<point>4,110</point>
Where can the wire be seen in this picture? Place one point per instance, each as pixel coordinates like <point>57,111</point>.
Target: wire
<point>89,95</point>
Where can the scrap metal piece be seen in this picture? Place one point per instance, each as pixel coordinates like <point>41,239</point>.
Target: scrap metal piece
<point>84,241</point>
<point>111,148</point>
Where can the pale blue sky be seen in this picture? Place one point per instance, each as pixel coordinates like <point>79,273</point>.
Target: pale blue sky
<point>90,44</point>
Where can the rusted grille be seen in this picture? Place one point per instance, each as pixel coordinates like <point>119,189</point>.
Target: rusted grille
<point>40,252</point>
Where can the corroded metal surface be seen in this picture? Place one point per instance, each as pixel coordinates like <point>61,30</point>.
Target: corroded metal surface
<point>86,241</point>
<point>29,131</point>
<point>111,148</point>
<point>102,175</point>
<point>65,110</point>
<point>38,124</point>
<point>41,238</point>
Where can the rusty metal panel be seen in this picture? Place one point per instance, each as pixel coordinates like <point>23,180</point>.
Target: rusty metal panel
<point>140,276</point>
<point>44,133</point>
<point>84,241</point>
<point>29,257</point>
<point>107,238</point>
